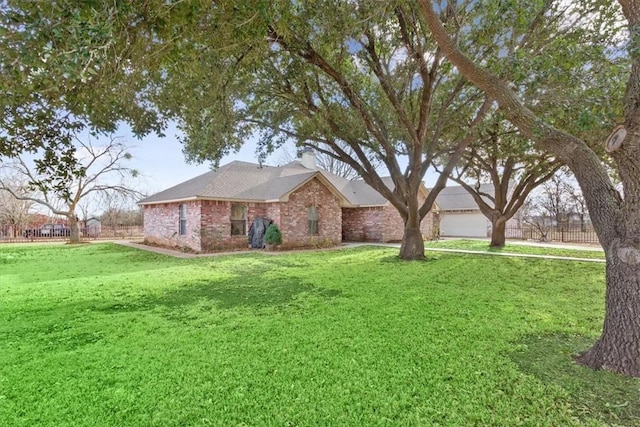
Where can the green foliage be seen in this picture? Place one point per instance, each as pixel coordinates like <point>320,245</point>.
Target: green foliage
<point>273,235</point>
<point>129,338</point>
<point>563,62</point>
<point>364,75</point>
<point>358,81</point>
<point>66,66</point>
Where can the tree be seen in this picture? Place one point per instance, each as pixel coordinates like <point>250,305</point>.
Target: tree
<point>578,204</point>
<point>354,81</point>
<point>14,212</point>
<point>503,156</point>
<point>327,162</point>
<point>513,167</point>
<point>535,217</point>
<point>361,76</point>
<point>555,200</point>
<point>561,199</point>
<point>63,66</point>
<point>552,205</point>
<point>103,171</point>
<point>119,210</point>
<point>615,217</point>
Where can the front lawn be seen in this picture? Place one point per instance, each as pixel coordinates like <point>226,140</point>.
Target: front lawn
<point>106,335</point>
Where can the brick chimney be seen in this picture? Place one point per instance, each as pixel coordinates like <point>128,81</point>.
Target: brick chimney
<point>308,158</point>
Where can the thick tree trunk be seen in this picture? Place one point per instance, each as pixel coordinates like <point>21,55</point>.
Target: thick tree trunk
<point>74,232</point>
<point>618,348</point>
<point>412,247</point>
<point>498,232</point>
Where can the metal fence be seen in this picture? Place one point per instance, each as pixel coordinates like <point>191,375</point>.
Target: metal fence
<point>10,234</point>
<point>554,234</point>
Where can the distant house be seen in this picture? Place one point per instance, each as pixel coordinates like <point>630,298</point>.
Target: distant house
<point>93,227</point>
<point>460,216</point>
<point>214,211</point>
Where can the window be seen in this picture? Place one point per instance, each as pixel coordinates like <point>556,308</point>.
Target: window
<point>183,219</point>
<point>312,216</point>
<point>238,220</point>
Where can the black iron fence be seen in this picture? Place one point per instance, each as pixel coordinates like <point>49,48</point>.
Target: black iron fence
<point>568,234</point>
<point>58,232</point>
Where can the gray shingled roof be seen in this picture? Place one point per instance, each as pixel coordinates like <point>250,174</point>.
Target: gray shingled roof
<point>360,193</point>
<point>250,182</point>
<point>236,181</point>
<point>456,198</point>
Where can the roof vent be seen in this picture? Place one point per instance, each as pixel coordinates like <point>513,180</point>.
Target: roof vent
<point>308,158</point>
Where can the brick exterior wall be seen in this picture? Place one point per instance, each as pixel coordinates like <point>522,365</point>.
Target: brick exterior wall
<point>379,224</point>
<point>216,223</point>
<point>362,224</point>
<point>209,222</point>
<point>294,220</point>
<point>162,225</point>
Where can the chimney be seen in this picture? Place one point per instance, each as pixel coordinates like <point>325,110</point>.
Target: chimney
<point>308,158</point>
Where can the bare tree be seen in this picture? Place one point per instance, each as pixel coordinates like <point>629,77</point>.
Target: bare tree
<point>84,209</point>
<point>578,204</point>
<point>104,172</point>
<point>534,216</point>
<point>14,212</point>
<point>555,199</point>
<point>119,210</point>
<point>328,162</point>
<point>555,204</point>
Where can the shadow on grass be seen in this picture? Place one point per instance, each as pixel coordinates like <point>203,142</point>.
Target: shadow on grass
<point>610,398</point>
<point>227,294</point>
<point>395,259</point>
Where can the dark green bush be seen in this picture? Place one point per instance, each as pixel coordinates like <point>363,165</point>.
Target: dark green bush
<point>273,235</point>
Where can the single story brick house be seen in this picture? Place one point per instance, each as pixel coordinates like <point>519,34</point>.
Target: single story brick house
<point>312,207</point>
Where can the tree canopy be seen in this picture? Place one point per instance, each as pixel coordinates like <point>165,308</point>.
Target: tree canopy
<point>359,82</point>
<point>66,67</point>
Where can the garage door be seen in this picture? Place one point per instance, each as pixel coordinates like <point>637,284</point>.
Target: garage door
<point>464,225</point>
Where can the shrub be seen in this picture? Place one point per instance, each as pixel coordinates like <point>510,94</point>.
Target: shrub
<point>273,235</point>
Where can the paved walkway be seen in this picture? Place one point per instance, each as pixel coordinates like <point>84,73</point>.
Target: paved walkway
<point>179,254</point>
<point>535,243</point>
<point>510,254</point>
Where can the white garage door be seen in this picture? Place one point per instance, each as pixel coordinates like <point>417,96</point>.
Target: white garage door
<point>464,225</point>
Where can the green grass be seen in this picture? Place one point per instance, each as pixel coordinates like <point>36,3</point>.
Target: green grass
<point>106,335</point>
<point>481,245</point>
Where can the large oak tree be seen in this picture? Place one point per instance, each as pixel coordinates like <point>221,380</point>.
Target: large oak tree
<point>615,216</point>
<point>521,44</point>
<point>356,81</point>
<point>511,165</point>
<point>328,75</point>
